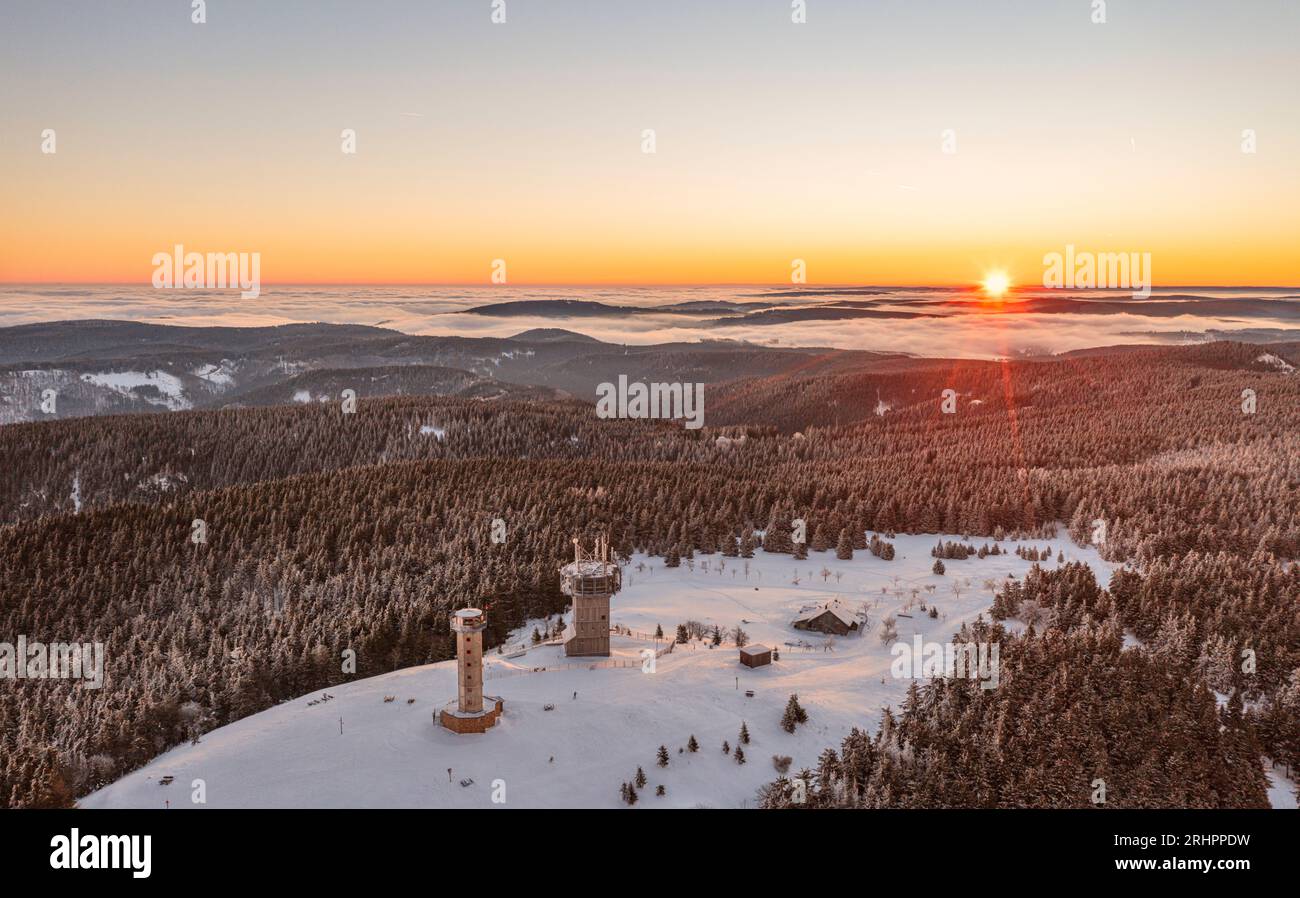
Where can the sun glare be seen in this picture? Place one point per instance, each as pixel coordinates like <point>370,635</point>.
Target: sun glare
<point>996,284</point>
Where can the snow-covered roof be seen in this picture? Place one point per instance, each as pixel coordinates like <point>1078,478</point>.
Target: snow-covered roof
<point>837,608</point>
<point>840,610</point>
<point>754,649</point>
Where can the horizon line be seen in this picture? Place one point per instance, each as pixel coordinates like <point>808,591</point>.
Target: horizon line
<point>974,286</point>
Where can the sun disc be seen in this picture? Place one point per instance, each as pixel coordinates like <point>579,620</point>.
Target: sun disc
<point>996,283</point>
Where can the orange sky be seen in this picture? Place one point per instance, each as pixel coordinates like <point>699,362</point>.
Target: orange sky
<point>774,142</point>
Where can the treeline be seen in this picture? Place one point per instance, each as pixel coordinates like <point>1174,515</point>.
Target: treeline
<point>1163,455</point>
<point>1232,623</point>
<point>1076,721</point>
<point>1079,718</point>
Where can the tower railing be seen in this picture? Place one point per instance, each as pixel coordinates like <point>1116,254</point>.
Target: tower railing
<point>574,583</point>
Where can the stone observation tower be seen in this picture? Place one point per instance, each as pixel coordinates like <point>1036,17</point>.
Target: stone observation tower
<point>590,579</point>
<point>466,714</point>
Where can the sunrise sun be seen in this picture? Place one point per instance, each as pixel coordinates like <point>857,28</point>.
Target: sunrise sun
<point>996,284</point>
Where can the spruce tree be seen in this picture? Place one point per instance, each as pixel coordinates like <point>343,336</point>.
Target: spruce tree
<point>789,720</point>
<point>794,714</point>
<point>819,543</point>
<point>858,534</point>
<point>844,549</point>
<point>777,536</point>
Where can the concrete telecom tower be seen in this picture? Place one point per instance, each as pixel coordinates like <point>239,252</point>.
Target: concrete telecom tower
<point>590,579</point>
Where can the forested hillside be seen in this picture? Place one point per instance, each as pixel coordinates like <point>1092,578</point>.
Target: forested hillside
<point>327,531</point>
<point>1078,719</point>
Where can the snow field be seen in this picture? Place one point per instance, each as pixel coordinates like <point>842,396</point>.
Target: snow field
<point>391,754</point>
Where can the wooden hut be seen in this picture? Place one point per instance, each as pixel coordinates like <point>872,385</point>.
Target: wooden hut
<point>833,618</point>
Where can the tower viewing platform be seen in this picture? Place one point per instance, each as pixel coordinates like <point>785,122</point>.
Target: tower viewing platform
<point>590,579</point>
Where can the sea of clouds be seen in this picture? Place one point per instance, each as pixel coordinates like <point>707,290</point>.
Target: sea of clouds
<point>963,327</point>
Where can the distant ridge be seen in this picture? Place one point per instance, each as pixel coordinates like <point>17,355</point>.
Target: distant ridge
<point>552,335</point>
<point>573,308</point>
<point>585,308</point>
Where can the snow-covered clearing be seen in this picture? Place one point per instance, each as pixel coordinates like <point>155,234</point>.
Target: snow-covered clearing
<point>391,754</point>
<point>220,376</point>
<point>126,382</point>
<point>1277,362</point>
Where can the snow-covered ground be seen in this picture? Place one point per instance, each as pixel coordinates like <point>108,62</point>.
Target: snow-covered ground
<point>220,376</point>
<point>1277,362</point>
<point>24,394</point>
<point>126,382</point>
<point>1281,790</point>
<point>391,754</point>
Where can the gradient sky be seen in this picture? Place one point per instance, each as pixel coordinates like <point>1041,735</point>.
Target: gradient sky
<point>776,141</point>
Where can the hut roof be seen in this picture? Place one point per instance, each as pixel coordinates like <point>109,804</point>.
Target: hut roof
<point>835,607</point>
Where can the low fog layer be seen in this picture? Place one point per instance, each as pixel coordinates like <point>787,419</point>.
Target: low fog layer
<point>953,323</point>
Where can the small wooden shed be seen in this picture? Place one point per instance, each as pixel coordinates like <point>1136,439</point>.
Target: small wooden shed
<point>755,655</point>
